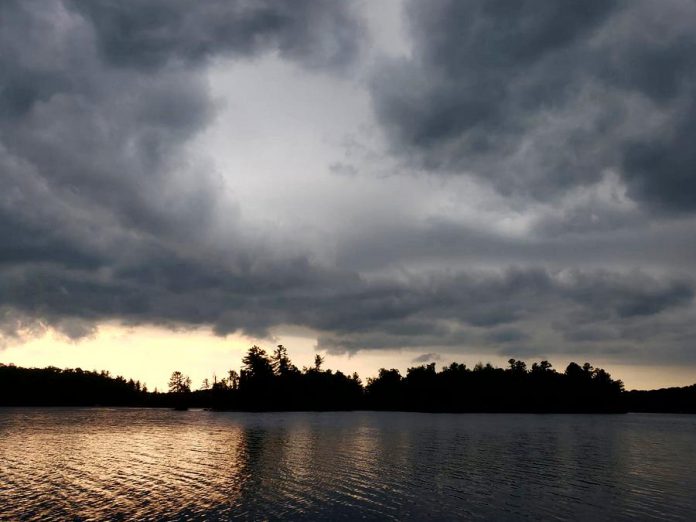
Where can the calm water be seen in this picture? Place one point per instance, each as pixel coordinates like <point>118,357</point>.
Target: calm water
<point>96,464</point>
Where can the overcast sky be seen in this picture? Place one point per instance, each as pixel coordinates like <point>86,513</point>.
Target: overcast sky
<point>421,180</point>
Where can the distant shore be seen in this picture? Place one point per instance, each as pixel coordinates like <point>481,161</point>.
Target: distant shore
<point>273,383</point>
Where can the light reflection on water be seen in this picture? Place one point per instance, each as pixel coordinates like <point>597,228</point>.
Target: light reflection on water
<point>97,464</point>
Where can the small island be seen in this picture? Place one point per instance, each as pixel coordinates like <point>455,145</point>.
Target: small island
<point>271,382</point>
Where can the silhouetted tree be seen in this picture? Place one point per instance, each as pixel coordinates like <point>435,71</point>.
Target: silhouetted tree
<point>541,367</point>
<point>256,380</point>
<point>385,391</point>
<point>281,362</point>
<point>356,378</point>
<point>55,387</point>
<point>180,389</point>
<point>274,383</point>
<point>179,383</point>
<point>256,364</point>
<point>574,371</point>
<point>517,366</point>
<point>664,400</point>
<point>233,379</point>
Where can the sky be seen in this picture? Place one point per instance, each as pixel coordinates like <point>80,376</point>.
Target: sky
<point>386,183</point>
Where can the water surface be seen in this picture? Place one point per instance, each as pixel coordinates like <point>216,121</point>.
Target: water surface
<point>98,464</point>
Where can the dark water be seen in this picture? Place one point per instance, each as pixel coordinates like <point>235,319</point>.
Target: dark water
<point>98,464</point>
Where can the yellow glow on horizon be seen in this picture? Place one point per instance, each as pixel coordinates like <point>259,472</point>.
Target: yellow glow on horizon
<point>146,353</point>
<point>151,353</point>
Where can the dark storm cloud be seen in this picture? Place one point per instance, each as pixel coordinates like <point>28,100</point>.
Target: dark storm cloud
<point>506,336</point>
<point>469,310</point>
<point>108,213</point>
<point>538,97</point>
<point>552,243</point>
<point>160,31</point>
<point>104,211</point>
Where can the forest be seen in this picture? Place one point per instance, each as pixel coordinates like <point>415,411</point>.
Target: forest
<point>271,382</point>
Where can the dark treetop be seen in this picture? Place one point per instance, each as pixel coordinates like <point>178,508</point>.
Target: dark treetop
<point>269,382</point>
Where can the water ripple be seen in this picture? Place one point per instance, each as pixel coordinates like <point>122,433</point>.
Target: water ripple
<point>107,464</point>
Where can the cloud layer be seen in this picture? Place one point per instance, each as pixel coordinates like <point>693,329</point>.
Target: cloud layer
<point>537,97</point>
<point>522,182</point>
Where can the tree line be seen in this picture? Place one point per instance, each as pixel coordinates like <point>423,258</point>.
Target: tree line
<point>271,382</point>
<point>71,387</point>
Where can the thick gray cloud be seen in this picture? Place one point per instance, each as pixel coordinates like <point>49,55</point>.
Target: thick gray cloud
<point>538,97</point>
<point>159,32</point>
<point>110,211</point>
<point>515,307</point>
<point>97,104</point>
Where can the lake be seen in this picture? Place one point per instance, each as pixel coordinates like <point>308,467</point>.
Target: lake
<point>125,464</point>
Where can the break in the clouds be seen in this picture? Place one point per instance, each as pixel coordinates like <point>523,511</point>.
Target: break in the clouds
<point>512,178</point>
